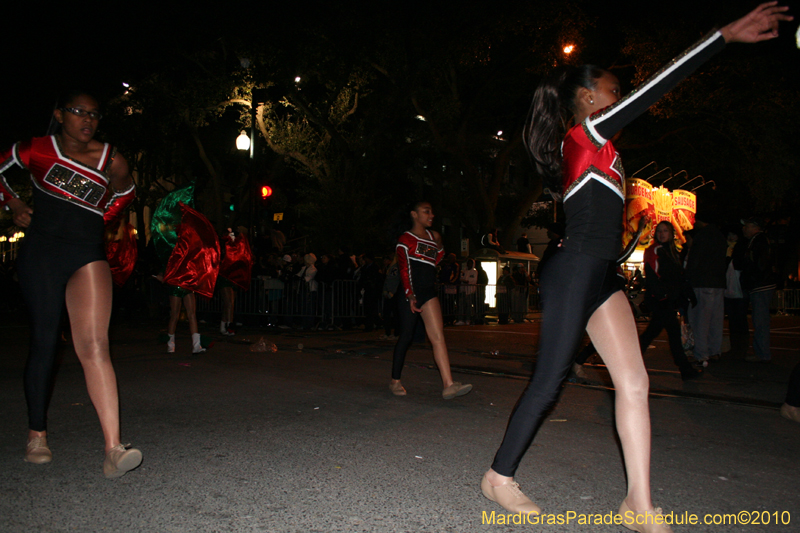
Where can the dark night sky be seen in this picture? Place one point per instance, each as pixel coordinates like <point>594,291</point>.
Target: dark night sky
<point>49,53</point>
<point>96,51</point>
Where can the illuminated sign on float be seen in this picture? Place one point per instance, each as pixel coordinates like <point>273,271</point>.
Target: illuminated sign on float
<point>658,204</point>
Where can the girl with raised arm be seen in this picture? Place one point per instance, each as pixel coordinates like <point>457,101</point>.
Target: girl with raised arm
<point>575,114</point>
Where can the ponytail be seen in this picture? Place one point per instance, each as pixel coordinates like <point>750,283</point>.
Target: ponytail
<point>551,115</point>
<point>403,221</point>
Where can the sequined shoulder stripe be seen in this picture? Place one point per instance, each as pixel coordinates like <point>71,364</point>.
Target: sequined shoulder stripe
<point>421,239</point>
<point>592,135</point>
<point>101,165</point>
<point>594,173</point>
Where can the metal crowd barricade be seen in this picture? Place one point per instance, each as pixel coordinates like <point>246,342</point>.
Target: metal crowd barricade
<point>346,301</point>
<point>786,300</point>
<point>280,303</point>
<point>342,301</point>
<point>464,302</point>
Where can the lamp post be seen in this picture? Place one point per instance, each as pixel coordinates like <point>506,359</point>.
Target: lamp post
<point>243,142</point>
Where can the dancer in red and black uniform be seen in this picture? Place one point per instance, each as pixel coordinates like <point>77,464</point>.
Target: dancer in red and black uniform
<point>578,286</point>
<point>419,250</point>
<point>78,182</point>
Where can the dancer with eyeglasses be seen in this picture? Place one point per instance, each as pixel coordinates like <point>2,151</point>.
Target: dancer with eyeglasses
<point>79,184</point>
<point>578,287</point>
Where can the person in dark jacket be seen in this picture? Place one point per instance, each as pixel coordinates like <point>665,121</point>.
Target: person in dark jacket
<point>666,291</point>
<point>758,280</point>
<point>705,270</point>
<point>735,298</point>
<point>449,279</point>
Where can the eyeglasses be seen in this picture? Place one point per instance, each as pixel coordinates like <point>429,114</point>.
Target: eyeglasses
<point>77,111</point>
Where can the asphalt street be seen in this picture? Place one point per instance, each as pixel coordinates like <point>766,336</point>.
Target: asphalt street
<point>309,438</point>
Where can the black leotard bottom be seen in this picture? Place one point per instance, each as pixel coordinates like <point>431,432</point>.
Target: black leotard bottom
<point>45,265</point>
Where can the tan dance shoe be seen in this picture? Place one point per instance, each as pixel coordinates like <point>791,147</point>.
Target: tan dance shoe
<point>647,522</point>
<point>37,451</point>
<point>120,460</point>
<point>397,388</point>
<point>790,412</point>
<point>455,390</point>
<point>509,497</point>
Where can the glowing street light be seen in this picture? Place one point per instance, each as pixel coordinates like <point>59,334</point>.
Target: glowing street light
<point>568,49</point>
<point>243,141</point>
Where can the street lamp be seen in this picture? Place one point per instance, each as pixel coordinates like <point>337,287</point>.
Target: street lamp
<point>243,141</point>
<point>568,49</point>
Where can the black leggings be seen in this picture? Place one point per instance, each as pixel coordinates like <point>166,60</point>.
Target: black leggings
<point>663,317</point>
<point>409,324</point>
<point>390,306</point>
<point>45,266</point>
<point>793,392</point>
<point>573,286</point>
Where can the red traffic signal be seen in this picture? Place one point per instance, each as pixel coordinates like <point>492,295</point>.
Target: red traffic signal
<point>266,192</point>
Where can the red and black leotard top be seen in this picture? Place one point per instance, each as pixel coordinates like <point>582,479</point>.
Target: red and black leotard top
<point>417,259</point>
<point>593,177</point>
<point>71,200</point>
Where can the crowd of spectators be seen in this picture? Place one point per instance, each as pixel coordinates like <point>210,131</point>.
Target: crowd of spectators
<point>312,281</point>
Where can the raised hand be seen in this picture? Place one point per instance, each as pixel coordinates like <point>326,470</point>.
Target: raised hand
<point>758,25</point>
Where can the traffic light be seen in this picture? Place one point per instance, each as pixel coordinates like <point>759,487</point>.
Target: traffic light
<point>266,192</point>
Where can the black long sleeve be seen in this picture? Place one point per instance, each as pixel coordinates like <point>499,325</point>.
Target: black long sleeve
<point>608,122</point>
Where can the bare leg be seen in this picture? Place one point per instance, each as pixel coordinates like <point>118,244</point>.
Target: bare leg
<point>88,299</point>
<point>228,296</point>
<point>613,332</point>
<point>432,317</point>
<point>190,304</point>
<point>174,314</point>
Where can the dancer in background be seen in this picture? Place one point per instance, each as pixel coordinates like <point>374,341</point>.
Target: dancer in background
<point>188,247</point>
<point>419,250</point>
<point>578,286</point>
<point>181,297</point>
<point>79,183</point>
<point>235,270</point>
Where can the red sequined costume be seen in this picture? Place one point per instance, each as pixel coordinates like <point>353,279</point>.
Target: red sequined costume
<point>417,259</point>
<point>70,202</point>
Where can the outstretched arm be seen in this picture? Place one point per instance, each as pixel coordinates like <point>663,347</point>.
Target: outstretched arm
<point>758,25</point>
